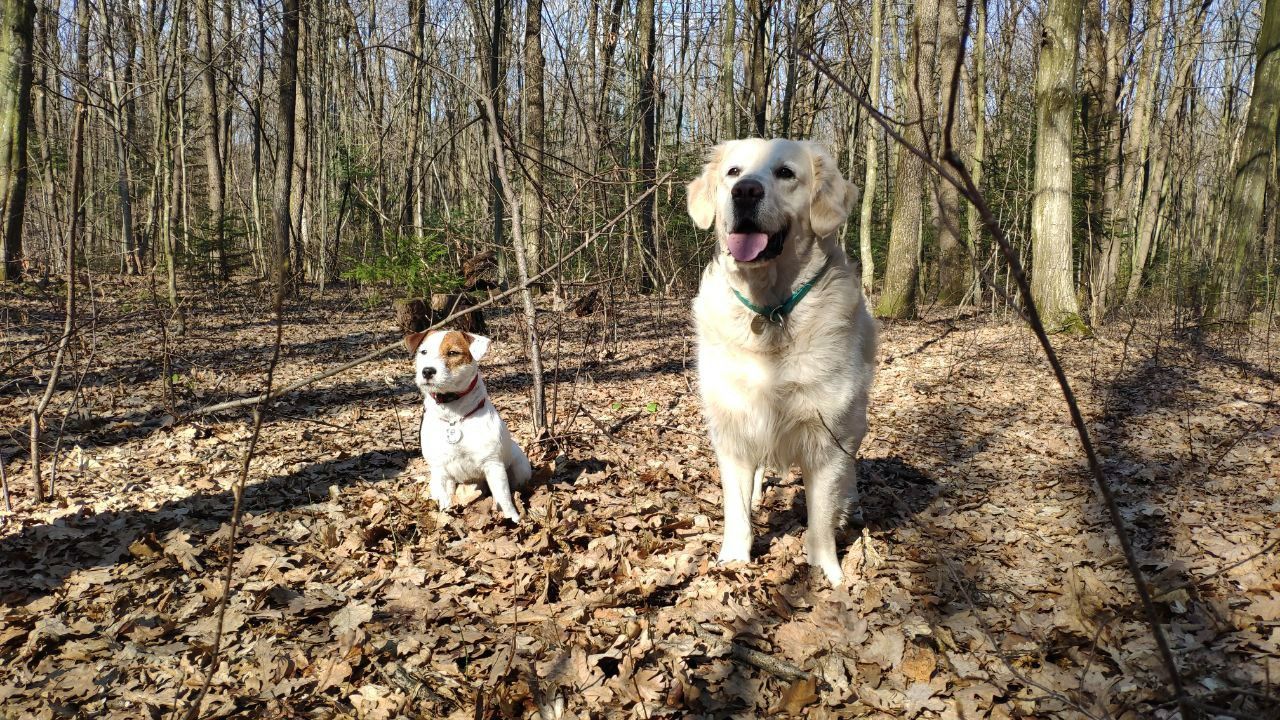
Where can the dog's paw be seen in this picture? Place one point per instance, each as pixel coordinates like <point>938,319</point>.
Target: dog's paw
<point>731,553</point>
<point>834,574</point>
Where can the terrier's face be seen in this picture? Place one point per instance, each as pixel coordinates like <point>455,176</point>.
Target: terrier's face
<point>445,360</point>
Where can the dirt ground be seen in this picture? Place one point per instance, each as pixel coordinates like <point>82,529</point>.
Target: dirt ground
<point>987,582</point>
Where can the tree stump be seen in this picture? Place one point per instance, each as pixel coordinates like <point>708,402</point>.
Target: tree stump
<point>412,315</point>
<point>445,304</point>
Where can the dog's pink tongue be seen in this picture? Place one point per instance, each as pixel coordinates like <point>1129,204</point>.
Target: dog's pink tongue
<point>746,247</point>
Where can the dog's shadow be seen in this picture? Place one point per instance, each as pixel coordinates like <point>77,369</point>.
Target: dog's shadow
<point>891,492</point>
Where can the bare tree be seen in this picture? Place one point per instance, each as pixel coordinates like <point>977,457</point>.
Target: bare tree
<point>918,103</point>
<point>1051,227</point>
<point>212,143</point>
<point>281,266</point>
<point>16,44</point>
<point>869,179</point>
<point>534,131</point>
<point>1229,294</point>
<point>647,109</point>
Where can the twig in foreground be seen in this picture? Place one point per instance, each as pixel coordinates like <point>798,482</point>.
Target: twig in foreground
<point>754,658</point>
<point>958,175</point>
<point>193,712</point>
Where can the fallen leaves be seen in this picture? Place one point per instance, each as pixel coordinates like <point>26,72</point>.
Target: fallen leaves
<point>984,566</point>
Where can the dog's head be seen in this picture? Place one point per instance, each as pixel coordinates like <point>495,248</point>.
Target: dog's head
<point>765,196</point>
<point>445,360</point>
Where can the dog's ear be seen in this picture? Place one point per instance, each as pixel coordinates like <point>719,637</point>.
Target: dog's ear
<point>413,340</point>
<point>479,345</point>
<point>832,197</point>
<point>701,193</point>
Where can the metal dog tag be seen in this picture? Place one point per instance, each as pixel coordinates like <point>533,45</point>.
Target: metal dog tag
<point>453,434</point>
<point>758,323</point>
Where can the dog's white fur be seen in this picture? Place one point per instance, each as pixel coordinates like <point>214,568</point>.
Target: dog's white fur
<point>486,450</point>
<point>794,393</point>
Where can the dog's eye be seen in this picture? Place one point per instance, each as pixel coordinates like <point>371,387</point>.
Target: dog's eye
<point>784,173</point>
<point>455,353</point>
<point>734,171</point>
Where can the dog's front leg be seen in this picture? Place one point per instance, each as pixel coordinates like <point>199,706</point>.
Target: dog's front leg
<point>829,484</point>
<point>737,480</point>
<point>442,487</point>
<point>495,474</point>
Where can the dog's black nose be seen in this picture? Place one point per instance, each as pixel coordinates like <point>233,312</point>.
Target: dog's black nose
<point>428,373</point>
<point>747,190</point>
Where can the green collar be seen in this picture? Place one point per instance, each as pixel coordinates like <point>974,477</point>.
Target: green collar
<point>778,313</point>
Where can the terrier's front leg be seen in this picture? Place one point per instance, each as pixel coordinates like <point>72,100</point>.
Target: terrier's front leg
<point>495,474</point>
<point>442,488</point>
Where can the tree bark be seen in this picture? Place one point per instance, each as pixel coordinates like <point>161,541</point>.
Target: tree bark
<point>1052,285</point>
<point>728,88</point>
<point>1138,141</point>
<point>979,91</point>
<point>74,238</point>
<point>953,267</point>
<point>647,109</point>
<point>17,35</point>
<point>1230,297</point>
<point>919,99</point>
<point>1161,145</point>
<point>758,15</point>
<point>534,130</point>
<point>212,144</point>
<point>288,81</point>
<point>1106,264</point>
<point>869,180</point>
<point>493,117</point>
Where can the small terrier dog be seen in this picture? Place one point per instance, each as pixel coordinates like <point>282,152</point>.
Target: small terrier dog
<point>463,438</point>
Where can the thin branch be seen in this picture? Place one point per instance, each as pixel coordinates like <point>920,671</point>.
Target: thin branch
<point>374,354</point>
<point>193,712</point>
<point>958,175</point>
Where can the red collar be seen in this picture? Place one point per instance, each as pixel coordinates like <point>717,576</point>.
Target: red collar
<point>474,410</point>
<point>449,397</point>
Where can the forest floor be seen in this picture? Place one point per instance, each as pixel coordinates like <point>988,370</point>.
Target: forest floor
<point>988,582</point>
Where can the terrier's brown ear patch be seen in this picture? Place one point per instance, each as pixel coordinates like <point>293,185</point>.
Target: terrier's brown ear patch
<point>413,340</point>
<point>455,348</point>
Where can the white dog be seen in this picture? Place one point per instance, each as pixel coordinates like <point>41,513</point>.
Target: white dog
<point>786,347</point>
<point>463,438</point>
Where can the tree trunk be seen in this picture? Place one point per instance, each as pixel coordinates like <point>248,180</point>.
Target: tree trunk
<point>953,267</point>
<point>1052,285</point>
<point>74,238</point>
<point>979,135</point>
<point>417,16</point>
<point>115,117</point>
<point>1230,296</point>
<point>1188,37</point>
<point>1106,264</point>
<point>647,109</point>
<point>728,89</point>
<point>869,180</point>
<point>212,144</point>
<point>493,113</point>
<point>919,102</point>
<point>17,35</point>
<point>758,16</point>
<point>534,130</point>
<point>1138,141</point>
<point>284,152</point>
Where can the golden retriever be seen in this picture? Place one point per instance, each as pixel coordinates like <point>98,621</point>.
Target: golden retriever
<point>786,347</point>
